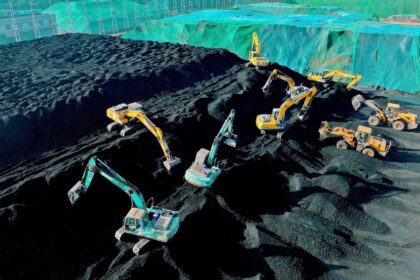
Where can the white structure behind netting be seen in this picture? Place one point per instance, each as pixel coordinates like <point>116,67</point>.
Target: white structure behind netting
<point>111,17</point>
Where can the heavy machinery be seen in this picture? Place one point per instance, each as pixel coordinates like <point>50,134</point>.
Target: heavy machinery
<point>392,115</point>
<point>129,116</point>
<point>361,140</point>
<point>152,223</point>
<point>255,58</point>
<point>328,76</point>
<point>277,74</point>
<point>276,120</point>
<point>204,170</point>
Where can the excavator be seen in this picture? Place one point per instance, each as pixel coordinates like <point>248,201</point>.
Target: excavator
<point>129,116</point>
<point>328,76</point>
<point>392,115</point>
<point>361,140</point>
<point>203,172</point>
<point>255,58</point>
<point>276,120</point>
<point>152,223</point>
<point>277,74</point>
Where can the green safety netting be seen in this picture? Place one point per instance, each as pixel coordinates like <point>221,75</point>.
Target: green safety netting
<point>385,54</point>
<point>376,8</point>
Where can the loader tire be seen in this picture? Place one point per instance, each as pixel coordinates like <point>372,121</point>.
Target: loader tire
<point>398,125</point>
<point>374,121</point>
<point>342,145</point>
<point>369,152</point>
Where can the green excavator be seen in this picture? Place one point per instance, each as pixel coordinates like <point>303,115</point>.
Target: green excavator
<point>148,223</point>
<point>203,172</point>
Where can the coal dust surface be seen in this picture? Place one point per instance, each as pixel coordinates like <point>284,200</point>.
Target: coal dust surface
<point>293,208</point>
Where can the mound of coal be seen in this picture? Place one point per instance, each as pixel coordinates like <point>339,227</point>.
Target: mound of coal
<point>289,209</point>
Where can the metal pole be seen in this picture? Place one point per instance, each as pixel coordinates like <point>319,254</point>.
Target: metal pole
<point>34,21</point>
<point>85,17</point>
<point>13,19</point>
<point>101,28</point>
<point>69,14</point>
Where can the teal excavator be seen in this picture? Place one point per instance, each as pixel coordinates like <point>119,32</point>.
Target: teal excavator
<point>203,172</point>
<point>152,223</point>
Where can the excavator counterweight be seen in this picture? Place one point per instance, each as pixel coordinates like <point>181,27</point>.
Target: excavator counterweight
<point>203,172</point>
<point>152,223</point>
<point>129,117</point>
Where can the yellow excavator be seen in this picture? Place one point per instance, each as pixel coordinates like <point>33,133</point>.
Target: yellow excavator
<point>361,140</point>
<point>277,74</point>
<point>328,76</point>
<point>128,117</point>
<point>399,119</point>
<point>276,120</point>
<point>255,58</point>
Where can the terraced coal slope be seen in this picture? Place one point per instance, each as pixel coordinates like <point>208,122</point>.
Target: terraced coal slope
<point>289,209</point>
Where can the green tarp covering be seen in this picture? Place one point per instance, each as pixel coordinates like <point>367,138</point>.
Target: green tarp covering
<point>385,54</point>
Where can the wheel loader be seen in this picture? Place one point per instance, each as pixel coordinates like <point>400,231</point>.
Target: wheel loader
<point>393,115</point>
<point>361,140</point>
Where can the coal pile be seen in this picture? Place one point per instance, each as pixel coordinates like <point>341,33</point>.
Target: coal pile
<point>282,209</point>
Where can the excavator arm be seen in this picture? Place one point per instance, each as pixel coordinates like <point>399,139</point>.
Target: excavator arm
<point>328,76</point>
<point>170,161</point>
<point>256,45</point>
<point>306,95</point>
<point>95,165</point>
<point>226,134</point>
<point>277,74</point>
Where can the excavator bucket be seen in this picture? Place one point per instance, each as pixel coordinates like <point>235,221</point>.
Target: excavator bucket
<point>231,140</point>
<point>76,192</point>
<point>357,101</point>
<point>169,164</point>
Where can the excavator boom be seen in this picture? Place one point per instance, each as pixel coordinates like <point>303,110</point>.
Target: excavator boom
<point>277,74</point>
<point>124,114</point>
<point>203,172</point>
<point>336,73</point>
<point>146,223</point>
<point>95,165</point>
<point>254,54</point>
<point>226,134</point>
<point>276,120</point>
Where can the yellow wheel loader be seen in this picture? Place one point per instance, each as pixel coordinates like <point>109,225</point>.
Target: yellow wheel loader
<point>393,115</point>
<point>361,140</point>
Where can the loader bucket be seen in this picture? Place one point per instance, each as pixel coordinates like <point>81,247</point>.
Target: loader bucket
<point>357,101</point>
<point>323,131</point>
